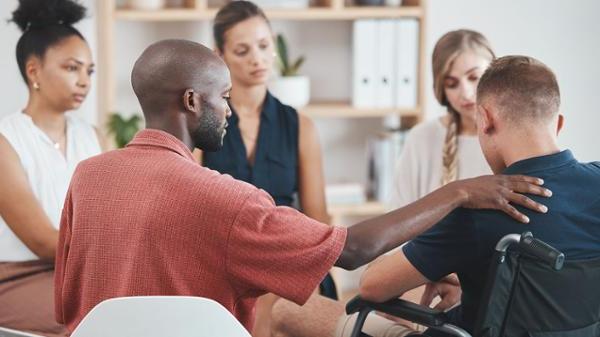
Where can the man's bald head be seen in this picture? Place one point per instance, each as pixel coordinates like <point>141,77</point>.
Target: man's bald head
<point>166,69</point>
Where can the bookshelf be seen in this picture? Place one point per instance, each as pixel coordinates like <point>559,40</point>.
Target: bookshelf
<point>110,13</point>
<point>197,10</point>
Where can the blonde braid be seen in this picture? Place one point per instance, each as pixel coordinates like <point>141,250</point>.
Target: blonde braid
<point>450,149</point>
<point>446,50</point>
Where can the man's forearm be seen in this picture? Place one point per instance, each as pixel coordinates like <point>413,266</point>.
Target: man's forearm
<point>369,239</point>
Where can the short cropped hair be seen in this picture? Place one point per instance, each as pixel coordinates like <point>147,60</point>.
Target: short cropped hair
<point>521,87</point>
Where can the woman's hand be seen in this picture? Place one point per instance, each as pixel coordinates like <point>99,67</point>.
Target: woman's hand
<point>499,191</point>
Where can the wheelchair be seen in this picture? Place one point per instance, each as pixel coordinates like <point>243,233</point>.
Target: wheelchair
<point>531,291</point>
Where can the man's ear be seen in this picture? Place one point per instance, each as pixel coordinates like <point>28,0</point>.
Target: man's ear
<point>560,124</point>
<point>191,101</point>
<point>487,119</point>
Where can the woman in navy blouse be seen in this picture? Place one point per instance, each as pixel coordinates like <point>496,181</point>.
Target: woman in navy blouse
<point>268,144</point>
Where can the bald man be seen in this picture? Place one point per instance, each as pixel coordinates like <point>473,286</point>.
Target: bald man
<point>149,220</point>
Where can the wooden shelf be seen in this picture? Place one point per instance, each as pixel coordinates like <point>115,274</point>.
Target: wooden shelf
<point>345,109</point>
<point>369,208</point>
<point>170,14</point>
<point>109,13</point>
<point>315,13</point>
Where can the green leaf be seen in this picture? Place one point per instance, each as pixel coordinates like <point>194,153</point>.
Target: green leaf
<point>282,52</point>
<point>123,129</point>
<point>285,68</point>
<point>296,66</point>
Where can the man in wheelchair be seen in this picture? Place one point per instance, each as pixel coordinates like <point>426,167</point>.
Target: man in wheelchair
<point>518,121</point>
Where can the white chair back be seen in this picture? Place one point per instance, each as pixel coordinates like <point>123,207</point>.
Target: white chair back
<point>159,316</point>
<point>4,332</point>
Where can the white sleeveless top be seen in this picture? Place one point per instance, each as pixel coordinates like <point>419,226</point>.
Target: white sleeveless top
<point>420,167</point>
<point>48,171</point>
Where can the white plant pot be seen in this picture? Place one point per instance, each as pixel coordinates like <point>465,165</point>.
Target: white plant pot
<point>291,90</point>
<point>146,5</point>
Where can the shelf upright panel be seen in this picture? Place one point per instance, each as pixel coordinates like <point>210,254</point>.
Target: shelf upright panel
<point>106,77</point>
<point>198,5</point>
<point>422,59</point>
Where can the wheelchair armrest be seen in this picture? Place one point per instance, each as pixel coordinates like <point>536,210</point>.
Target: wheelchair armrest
<point>400,308</point>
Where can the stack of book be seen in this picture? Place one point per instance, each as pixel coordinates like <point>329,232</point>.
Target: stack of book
<point>345,194</point>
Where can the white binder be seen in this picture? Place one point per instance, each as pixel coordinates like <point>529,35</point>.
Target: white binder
<point>407,60</point>
<point>384,151</point>
<point>384,54</point>
<point>363,74</point>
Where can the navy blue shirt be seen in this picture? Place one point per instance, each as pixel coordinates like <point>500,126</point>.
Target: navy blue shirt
<point>275,167</point>
<point>464,241</point>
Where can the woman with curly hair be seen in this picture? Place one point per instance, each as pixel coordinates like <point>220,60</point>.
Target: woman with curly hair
<point>40,147</point>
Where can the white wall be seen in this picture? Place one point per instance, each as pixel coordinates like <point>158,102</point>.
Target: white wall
<point>12,87</point>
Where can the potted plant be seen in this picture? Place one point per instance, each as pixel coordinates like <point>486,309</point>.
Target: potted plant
<point>123,129</point>
<point>290,88</point>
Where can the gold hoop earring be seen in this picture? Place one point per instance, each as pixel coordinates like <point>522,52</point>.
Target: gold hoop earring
<point>36,86</point>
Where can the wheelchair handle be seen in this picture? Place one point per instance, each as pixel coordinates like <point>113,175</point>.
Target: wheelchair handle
<point>541,250</point>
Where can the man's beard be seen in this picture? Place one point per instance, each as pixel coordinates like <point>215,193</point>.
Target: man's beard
<point>210,132</point>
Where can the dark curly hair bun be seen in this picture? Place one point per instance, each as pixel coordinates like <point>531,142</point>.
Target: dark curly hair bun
<point>44,23</point>
<point>35,14</point>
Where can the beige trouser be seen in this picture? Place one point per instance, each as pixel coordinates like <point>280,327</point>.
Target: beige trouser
<point>375,326</point>
<point>27,298</point>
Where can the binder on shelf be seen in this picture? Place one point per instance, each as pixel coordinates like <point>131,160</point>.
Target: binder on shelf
<point>385,77</point>
<point>385,63</point>
<point>363,70</point>
<point>407,60</point>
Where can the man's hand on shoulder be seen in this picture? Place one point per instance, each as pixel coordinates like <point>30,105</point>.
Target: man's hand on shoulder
<point>501,192</point>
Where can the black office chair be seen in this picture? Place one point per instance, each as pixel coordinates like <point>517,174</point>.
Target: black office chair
<point>531,292</point>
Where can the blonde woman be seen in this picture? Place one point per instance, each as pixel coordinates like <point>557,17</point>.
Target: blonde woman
<point>446,149</point>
